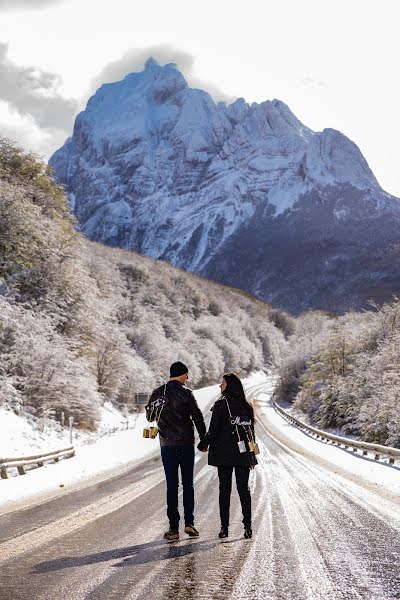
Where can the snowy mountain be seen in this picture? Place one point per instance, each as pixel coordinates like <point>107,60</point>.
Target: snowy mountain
<point>243,194</point>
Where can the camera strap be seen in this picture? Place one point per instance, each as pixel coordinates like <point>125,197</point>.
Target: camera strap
<point>230,417</point>
<point>157,410</point>
<point>163,400</point>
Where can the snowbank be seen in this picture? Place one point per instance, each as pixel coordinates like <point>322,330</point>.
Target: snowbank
<point>97,456</point>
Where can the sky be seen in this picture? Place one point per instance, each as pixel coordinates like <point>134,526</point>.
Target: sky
<point>334,62</point>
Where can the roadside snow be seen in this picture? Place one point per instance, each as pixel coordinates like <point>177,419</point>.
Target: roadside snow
<point>97,455</point>
<point>379,475</point>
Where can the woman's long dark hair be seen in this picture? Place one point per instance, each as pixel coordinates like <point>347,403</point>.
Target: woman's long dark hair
<point>234,390</point>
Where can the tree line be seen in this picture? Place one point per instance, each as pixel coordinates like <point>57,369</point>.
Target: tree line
<point>343,372</point>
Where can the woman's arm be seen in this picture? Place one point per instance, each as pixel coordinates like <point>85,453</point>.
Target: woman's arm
<point>213,430</point>
<point>215,423</point>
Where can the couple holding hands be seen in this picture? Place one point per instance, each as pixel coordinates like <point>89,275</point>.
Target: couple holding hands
<point>230,443</point>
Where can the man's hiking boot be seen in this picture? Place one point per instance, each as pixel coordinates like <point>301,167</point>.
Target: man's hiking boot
<point>191,531</point>
<point>172,535</point>
<point>223,533</point>
<point>248,533</point>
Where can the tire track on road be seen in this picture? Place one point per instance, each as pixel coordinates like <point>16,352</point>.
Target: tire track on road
<point>67,525</point>
<point>352,535</point>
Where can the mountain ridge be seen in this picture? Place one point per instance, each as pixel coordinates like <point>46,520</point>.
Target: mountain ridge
<point>160,168</point>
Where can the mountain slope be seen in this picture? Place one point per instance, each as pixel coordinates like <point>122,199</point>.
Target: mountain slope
<point>244,194</point>
<point>81,323</point>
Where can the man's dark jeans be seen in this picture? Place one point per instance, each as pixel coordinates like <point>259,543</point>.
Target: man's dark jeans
<point>174,457</point>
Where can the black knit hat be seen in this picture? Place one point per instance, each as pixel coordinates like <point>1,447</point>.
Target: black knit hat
<point>177,369</point>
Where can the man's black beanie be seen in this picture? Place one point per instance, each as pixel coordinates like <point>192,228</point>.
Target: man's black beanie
<point>177,369</point>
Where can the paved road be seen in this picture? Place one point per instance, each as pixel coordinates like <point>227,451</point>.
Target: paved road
<point>317,536</point>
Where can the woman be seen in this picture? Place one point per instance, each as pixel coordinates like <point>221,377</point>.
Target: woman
<point>230,439</point>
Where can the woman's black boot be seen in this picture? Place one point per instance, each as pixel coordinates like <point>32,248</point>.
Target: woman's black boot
<point>223,533</point>
<point>248,533</point>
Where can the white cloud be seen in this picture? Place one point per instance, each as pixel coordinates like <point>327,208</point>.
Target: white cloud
<point>33,92</point>
<point>8,5</point>
<point>25,131</point>
<point>134,59</point>
<point>311,82</point>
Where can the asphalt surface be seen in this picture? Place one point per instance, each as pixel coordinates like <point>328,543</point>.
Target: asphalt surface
<point>316,536</point>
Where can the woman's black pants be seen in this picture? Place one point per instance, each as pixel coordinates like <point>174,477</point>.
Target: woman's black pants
<point>225,488</point>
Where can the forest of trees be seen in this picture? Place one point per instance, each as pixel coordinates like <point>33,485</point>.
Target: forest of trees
<point>343,372</point>
<point>81,323</point>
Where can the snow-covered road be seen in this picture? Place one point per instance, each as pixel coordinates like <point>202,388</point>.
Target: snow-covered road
<point>322,531</point>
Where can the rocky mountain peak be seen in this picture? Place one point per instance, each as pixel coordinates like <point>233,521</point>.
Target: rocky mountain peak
<point>158,167</point>
<point>150,63</point>
<point>332,157</point>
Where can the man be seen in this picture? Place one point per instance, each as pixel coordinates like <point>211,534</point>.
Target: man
<point>175,424</point>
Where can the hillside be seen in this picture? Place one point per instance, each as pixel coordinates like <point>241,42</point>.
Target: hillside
<point>81,323</point>
<point>343,372</point>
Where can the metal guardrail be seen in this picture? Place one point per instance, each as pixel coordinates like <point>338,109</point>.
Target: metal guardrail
<point>376,449</point>
<point>39,459</point>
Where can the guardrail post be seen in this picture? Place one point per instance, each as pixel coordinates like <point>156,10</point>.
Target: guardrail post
<point>4,474</point>
<point>391,461</point>
<point>21,470</point>
<point>70,421</point>
<point>377,456</point>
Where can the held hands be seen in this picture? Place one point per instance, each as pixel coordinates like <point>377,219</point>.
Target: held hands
<point>202,445</point>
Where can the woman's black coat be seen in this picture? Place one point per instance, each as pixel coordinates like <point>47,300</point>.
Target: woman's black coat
<point>222,437</point>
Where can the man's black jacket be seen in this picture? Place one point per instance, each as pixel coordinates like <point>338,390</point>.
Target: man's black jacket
<point>178,415</point>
